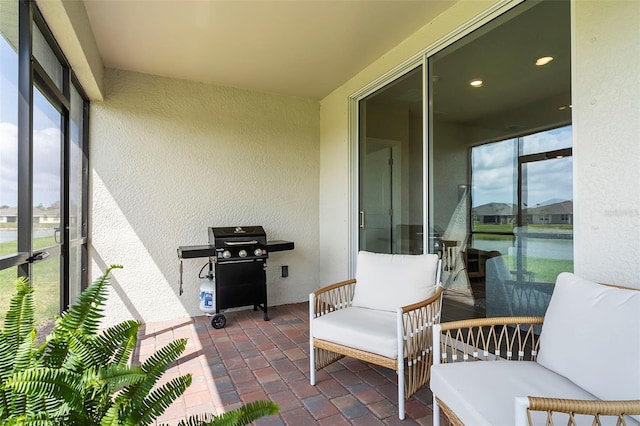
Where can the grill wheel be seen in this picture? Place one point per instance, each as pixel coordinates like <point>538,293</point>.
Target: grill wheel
<point>218,321</point>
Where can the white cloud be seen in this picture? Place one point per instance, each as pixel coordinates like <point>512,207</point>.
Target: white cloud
<point>494,170</point>
<point>8,164</point>
<point>46,165</point>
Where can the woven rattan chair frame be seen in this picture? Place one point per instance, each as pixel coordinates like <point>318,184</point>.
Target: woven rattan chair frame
<point>574,407</point>
<point>417,324</point>
<point>489,339</point>
<point>493,339</point>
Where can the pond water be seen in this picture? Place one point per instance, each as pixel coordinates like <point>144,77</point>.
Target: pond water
<point>535,247</point>
<point>12,234</point>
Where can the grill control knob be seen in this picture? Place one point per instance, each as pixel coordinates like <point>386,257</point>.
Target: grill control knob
<point>258,252</point>
<point>242,253</point>
<point>226,254</point>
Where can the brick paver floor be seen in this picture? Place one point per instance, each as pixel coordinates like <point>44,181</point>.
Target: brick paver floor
<point>253,359</point>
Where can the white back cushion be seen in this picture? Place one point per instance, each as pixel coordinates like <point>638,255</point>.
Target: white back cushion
<point>389,281</point>
<point>591,335</point>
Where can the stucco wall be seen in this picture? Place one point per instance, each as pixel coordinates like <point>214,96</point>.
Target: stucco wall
<point>170,158</point>
<point>606,128</point>
<point>606,123</point>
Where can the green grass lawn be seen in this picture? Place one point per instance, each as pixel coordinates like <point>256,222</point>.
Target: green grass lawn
<point>46,282</point>
<point>545,270</point>
<point>506,227</point>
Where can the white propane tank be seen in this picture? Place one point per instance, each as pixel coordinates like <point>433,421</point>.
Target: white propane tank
<point>208,295</point>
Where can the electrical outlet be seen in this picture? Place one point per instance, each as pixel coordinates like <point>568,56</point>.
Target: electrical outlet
<point>285,271</point>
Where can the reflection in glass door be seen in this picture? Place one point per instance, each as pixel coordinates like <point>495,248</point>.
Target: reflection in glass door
<point>499,196</point>
<point>391,167</point>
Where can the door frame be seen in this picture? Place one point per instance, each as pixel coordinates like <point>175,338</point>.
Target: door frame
<point>354,149</point>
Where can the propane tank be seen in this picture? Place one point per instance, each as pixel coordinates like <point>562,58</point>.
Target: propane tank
<point>208,293</point>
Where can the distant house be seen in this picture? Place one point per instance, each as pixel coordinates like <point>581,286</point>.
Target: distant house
<point>9,215</point>
<point>551,214</point>
<point>503,213</point>
<point>41,216</point>
<point>495,213</point>
<point>46,216</point>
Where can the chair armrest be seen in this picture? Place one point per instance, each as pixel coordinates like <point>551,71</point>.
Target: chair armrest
<point>597,409</point>
<point>332,297</point>
<point>475,339</point>
<point>417,326</point>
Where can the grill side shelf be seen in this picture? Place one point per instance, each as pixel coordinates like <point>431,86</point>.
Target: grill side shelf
<point>191,252</point>
<point>279,245</point>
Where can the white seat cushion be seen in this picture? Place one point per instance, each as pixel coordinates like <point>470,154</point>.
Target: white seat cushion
<point>591,335</point>
<point>360,328</point>
<point>390,281</point>
<point>483,392</point>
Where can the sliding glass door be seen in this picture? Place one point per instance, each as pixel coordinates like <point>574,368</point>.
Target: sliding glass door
<point>390,165</point>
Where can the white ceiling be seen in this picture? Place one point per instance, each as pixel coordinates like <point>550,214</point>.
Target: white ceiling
<point>304,48</point>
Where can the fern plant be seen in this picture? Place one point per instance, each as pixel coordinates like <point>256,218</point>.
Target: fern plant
<point>83,376</point>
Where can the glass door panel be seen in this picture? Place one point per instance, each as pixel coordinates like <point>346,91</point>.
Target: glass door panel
<point>46,232</point>
<point>47,142</point>
<point>76,161</point>
<point>391,167</point>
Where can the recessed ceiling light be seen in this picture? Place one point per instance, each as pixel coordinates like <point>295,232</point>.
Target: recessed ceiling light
<point>544,60</point>
<point>476,83</point>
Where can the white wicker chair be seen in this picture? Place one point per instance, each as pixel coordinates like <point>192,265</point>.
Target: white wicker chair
<point>384,316</point>
<point>582,369</point>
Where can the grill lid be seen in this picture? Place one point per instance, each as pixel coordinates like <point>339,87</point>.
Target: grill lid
<point>221,236</point>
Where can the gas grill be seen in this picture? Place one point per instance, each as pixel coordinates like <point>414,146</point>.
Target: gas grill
<point>239,256</point>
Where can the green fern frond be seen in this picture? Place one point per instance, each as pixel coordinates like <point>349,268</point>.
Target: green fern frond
<point>18,321</point>
<point>117,377</point>
<point>84,351</point>
<point>155,366</point>
<point>241,416</point>
<point>38,420</point>
<point>257,409</point>
<point>54,383</point>
<point>24,357</point>
<point>118,342</point>
<point>7,358</point>
<point>230,418</point>
<point>112,347</point>
<point>160,399</point>
<point>55,353</point>
<point>197,420</point>
<point>85,315</point>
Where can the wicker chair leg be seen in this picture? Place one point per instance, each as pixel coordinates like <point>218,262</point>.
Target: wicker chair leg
<point>312,365</point>
<point>401,395</point>
<point>400,363</point>
<point>312,351</point>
